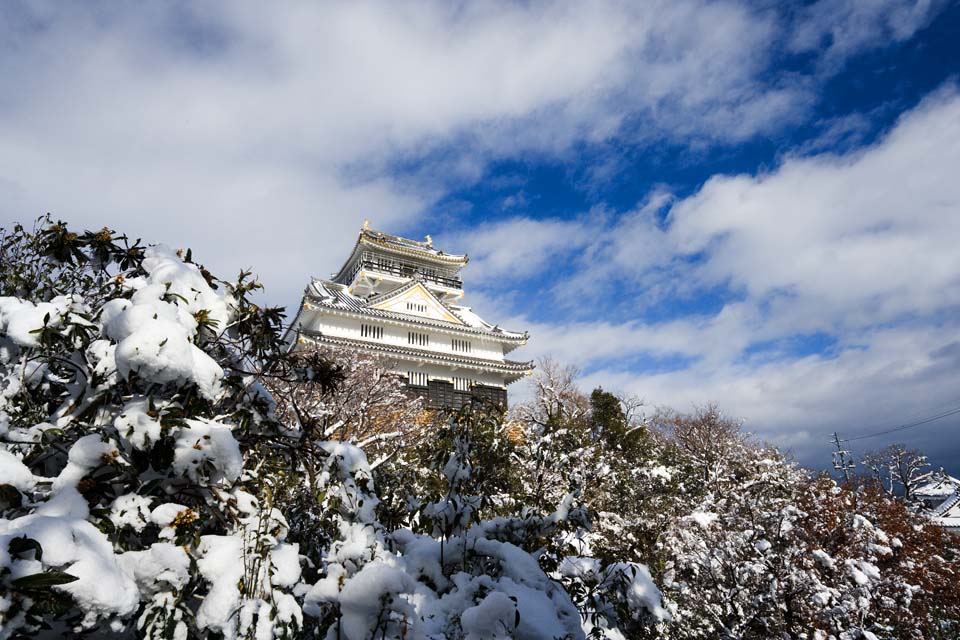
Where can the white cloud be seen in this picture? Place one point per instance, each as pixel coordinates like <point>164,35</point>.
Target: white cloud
<point>495,248</point>
<point>264,133</point>
<point>861,247</point>
<point>841,28</point>
<point>840,242</point>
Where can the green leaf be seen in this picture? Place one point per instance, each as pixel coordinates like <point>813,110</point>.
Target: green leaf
<point>23,544</point>
<point>161,454</point>
<point>44,580</point>
<point>9,496</point>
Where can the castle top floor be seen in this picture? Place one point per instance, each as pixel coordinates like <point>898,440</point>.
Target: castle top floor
<point>381,262</point>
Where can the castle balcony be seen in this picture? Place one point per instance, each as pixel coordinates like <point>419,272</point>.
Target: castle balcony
<point>404,271</point>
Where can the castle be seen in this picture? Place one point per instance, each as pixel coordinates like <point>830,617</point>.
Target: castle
<point>399,299</point>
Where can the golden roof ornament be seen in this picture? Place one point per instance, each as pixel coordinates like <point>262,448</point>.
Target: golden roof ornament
<point>429,240</point>
<point>366,225</point>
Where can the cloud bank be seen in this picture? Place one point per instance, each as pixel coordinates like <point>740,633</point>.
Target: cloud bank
<point>840,274</point>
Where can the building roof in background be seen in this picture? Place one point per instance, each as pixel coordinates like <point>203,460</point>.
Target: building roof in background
<point>940,485</point>
<point>947,515</point>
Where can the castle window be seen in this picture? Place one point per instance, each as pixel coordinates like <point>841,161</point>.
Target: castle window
<point>463,346</point>
<point>418,339</point>
<point>416,378</point>
<point>461,384</point>
<point>370,331</point>
<point>416,306</point>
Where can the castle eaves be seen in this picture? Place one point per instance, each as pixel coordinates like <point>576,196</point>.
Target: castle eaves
<point>513,367</point>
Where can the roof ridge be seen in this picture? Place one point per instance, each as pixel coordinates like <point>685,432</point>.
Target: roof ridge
<point>426,249</point>
<point>406,286</point>
<point>428,244</point>
<point>940,481</point>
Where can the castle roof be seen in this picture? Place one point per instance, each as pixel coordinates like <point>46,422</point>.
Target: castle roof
<point>518,369</point>
<point>947,515</point>
<point>940,485</point>
<point>405,247</point>
<point>336,297</point>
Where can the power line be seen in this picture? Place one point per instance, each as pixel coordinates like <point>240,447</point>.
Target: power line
<point>920,414</point>
<point>908,425</point>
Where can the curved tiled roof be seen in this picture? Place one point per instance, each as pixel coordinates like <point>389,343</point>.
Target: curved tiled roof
<point>947,504</point>
<point>335,296</point>
<point>402,246</point>
<point>940,485</point>
<point>505,366</point>
<point>422,249</point>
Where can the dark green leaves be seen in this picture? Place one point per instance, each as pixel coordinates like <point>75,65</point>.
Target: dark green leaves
<point>24,544</point>
<point>44,580</point>
<point>161,454</point>
<point>9,496</point>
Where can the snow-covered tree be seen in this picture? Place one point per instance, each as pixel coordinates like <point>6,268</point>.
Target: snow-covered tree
<point>728,561</point>
<point>368,404</point>
<point>897,467</point>
<point>875,569</point>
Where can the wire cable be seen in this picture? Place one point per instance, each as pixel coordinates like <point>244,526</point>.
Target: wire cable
<point>908,425</point>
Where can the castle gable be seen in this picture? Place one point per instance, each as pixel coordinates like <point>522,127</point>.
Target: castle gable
<point>415,299</point>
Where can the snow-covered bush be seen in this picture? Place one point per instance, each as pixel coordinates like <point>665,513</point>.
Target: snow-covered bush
<point>874,566</point>
<point>729,561</point>
<point>129,415</point>
<point>152,486</point>
<point>765,551</point>
<point>452,573</point>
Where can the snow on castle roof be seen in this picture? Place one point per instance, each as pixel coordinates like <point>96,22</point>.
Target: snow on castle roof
<point>940,485</point>
<point>332,295</point>
<point>370,236</point>
<point>388,243</point>
<point>947,515</point>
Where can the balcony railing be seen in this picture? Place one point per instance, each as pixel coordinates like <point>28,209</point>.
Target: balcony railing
<point>405,271</point>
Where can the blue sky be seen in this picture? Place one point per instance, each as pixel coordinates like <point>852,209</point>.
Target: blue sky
<point>756,204</point>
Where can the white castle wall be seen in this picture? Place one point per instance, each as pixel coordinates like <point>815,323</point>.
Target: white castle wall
<point>395,334</point>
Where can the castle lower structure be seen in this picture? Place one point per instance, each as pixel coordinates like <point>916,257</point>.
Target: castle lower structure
<point>399,299</point>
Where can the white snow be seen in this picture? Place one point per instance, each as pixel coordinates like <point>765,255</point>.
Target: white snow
<point>493,618</point>
<point>163,565</point>
<point>360,599</point>
<point>155,329</point>
<point>136,426</point>
<point>222,566</point>
<point>208,448</point>
<point>703,518</point>
<point>130,510</point>
<point>166,513</point>
<point>15,473</point>
<point>20,319</point>
<point>73,545</point>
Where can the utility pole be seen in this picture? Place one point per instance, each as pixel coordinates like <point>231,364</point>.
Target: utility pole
<point>842,460</point>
